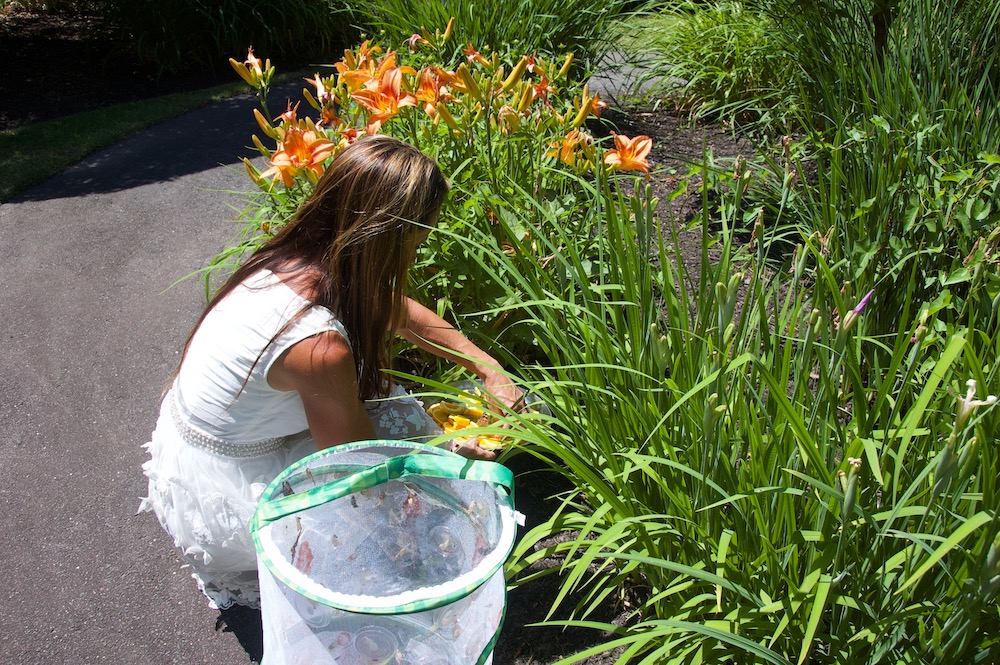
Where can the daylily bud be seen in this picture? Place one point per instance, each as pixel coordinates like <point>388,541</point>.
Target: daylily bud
<point>260,146</point>
<point>720,291</point>
<point>449,29</point>
<point>251,170</point>
<point>586,105</point>
<point>564,70</point>
<point>446,115</point>
<point>265,126</point>
<point>469,81</point>
<point>711,416</point>
<point>515,75</point>
<point>945,467</point>
<point>244,73</point>
<point>527,96</point>
<point>310,99</point>
<point>727,336</point>
<point>967,459</point>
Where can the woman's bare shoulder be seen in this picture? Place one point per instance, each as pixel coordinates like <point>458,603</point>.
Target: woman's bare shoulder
<point>314,362</point>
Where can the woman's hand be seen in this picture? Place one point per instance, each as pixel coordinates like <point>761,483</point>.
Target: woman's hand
<point>504,394</point>
<point>469,448</point>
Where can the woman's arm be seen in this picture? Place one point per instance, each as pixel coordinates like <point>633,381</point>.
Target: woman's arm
<point>433,334</point>
<point>321,370</point>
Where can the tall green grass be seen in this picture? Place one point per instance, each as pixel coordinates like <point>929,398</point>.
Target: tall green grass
<point>901,111</point>
<point>720,60</point>
<point>772,482</point>
<point>891,134</point>
<point>511,28</point>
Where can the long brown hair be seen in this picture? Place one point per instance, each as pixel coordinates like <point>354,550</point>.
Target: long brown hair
<point>357,234</point>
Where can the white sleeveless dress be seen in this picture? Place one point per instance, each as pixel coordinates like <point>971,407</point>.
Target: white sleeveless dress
<point>224,434</point>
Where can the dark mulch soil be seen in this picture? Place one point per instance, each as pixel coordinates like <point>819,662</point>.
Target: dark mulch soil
<point>60,64</point>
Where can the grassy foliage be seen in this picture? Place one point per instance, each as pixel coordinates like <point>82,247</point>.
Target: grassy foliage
<point>895,106</point>
<point>776,484</point>
<point>905,130</point>
<point>727,57</point>
<point>548,27</point>
<point>184,33</point>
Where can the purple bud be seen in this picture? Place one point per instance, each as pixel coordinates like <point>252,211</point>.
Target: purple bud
<point>863,302</point>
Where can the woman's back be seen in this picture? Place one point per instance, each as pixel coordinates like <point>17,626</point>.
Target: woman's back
<point>234,342</point>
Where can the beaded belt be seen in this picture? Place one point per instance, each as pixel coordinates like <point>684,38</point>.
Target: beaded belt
<point>199,439</point>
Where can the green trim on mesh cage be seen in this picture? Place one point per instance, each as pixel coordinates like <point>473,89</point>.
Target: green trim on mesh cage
<point>394,468</point>
<point>440,464</point>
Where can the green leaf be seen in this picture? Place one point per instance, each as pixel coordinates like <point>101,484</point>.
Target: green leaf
<point>880,122</point>
<point>727,637</point>
<point>976,521</point>
<point>871,453</point>
<point>815,614</point>
<point>958,277</point>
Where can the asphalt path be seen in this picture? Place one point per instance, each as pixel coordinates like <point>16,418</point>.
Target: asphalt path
<point>91,326</point>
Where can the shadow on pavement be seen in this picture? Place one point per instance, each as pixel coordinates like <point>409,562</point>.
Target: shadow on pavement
<point>197,141</point>
<point>245,623</point>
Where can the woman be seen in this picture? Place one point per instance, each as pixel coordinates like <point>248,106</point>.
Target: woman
<point>288,357</point>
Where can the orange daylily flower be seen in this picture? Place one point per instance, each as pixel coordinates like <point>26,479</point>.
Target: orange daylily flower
<point>384,65</point>
<point>356,70</point>
<point>542,89</point>
<point>353,78</point>
<point>472,55</point>
<point>430,90</point>
<point>363,58</point>
<point>302,150</point>
<point>348,135</point>
<point>415,40</point>
<point>598,105</point>
<point>629,154</point>
<point>384,102</point>
<point>567,150</point>
<point>451,79</point>
<point>253,63</point>
<point>328,116</point>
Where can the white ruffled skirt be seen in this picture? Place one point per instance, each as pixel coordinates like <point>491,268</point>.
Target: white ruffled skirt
<point>205,500</point>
